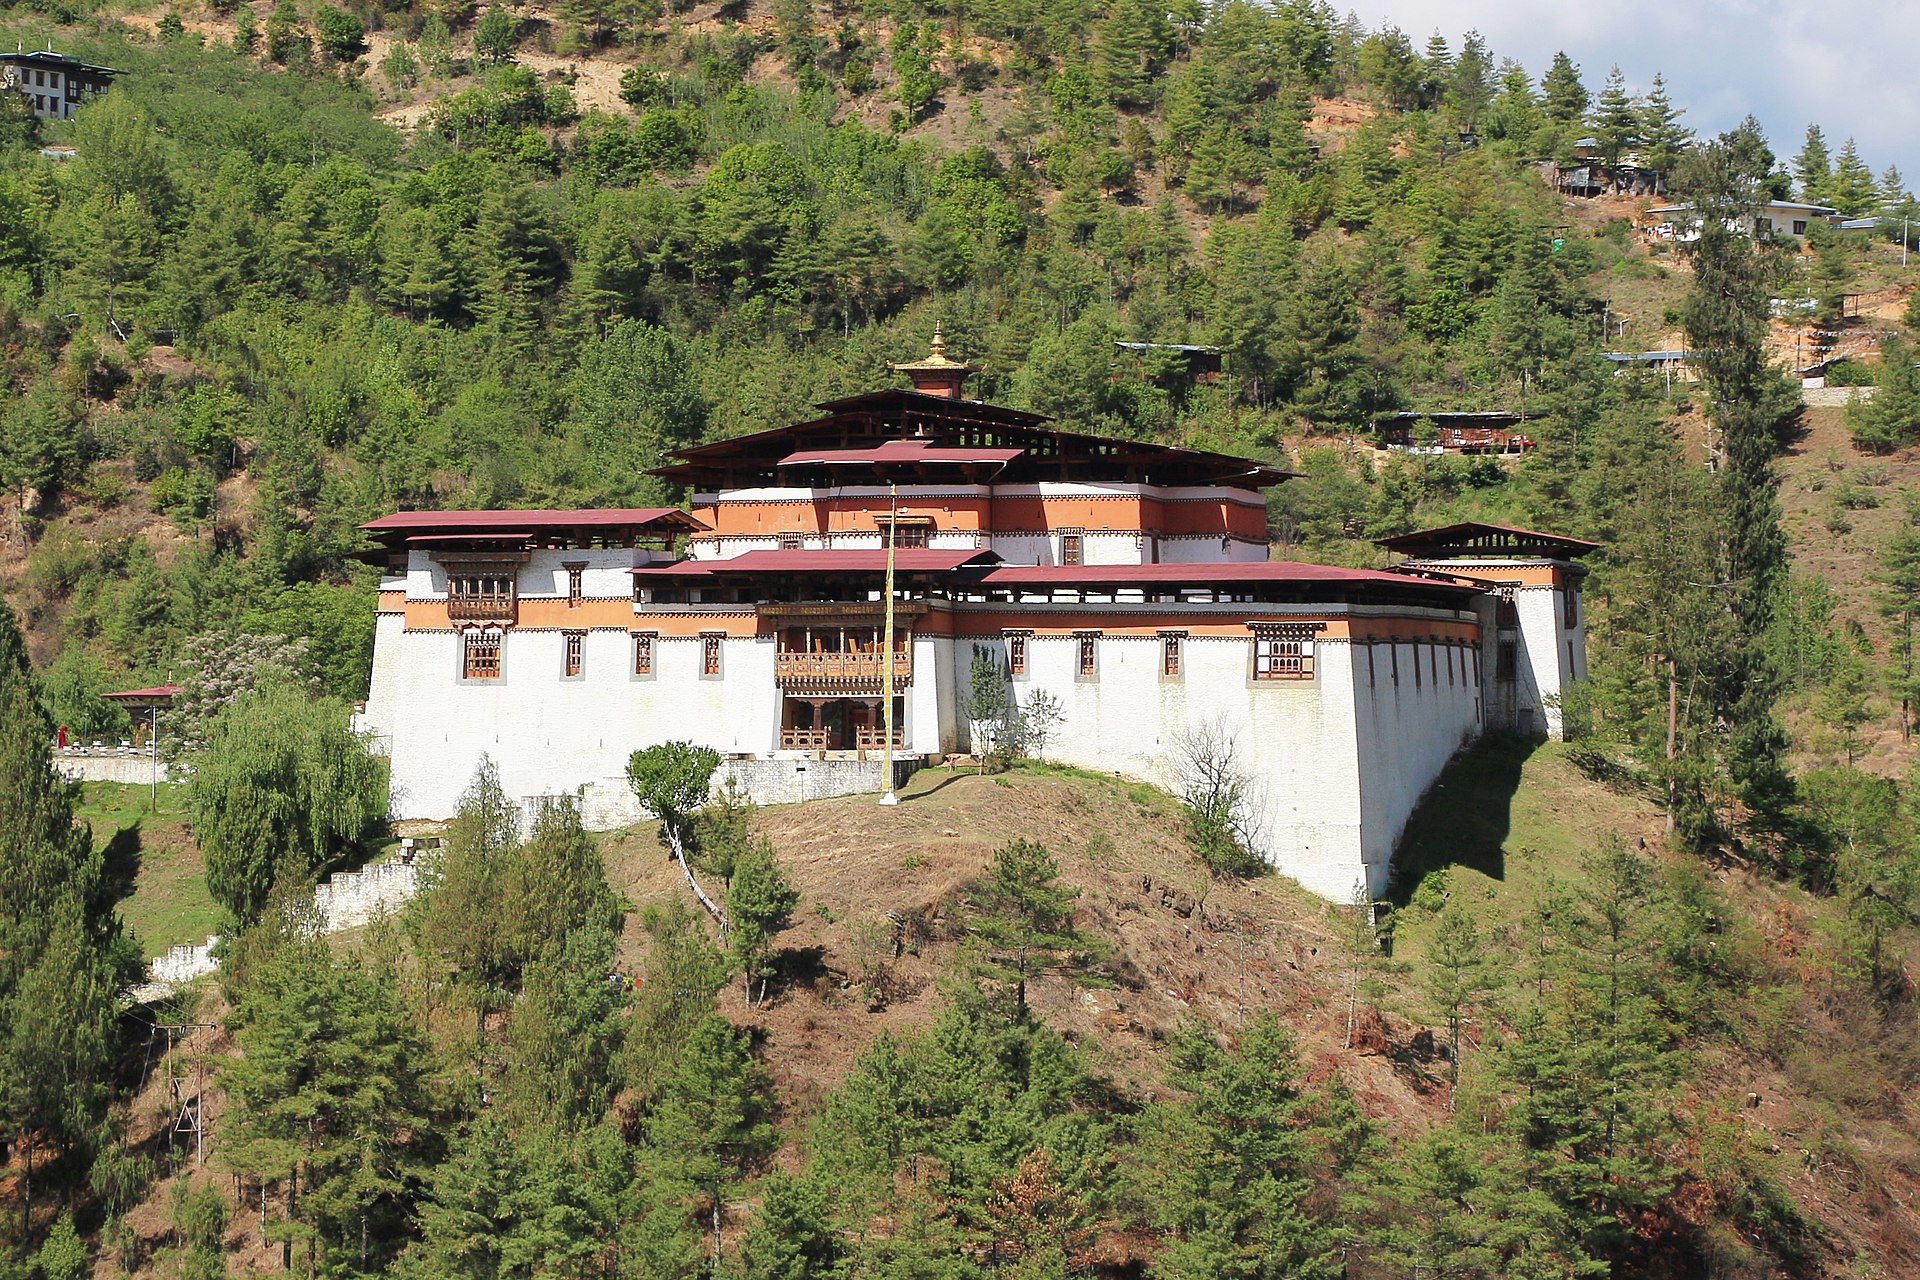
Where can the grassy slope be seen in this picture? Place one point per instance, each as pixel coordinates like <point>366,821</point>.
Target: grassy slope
<point>1504,819</point>
<point>153,860</point>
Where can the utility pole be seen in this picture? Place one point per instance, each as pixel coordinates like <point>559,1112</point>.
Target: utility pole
<point>886,653</point>
<point>153,752</point>
<point>190,1115</point>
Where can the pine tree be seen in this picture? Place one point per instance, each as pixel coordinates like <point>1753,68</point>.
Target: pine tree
<point>495,35</point>
<point>1852,190</point>
<point>792,1235</point>
<point>760,903</point>
<point>709,1121</point>
<point>1432,1207</point>
<point>1890,419</point>
<point>1222,163</point>
<point>1128,48</point>
<point>684,971</point>
<point>563,1040</point>
<point>1515,116</point>
<point>634,398</point>
<point>1321,369</point>
<point>1024,915</point>
<point>1564,98</point>
<point>1469,90</point>
<point>1457,975</point>
<point>1665,139</point>
<point>1615,122</point>
<point>869,1125</point>
<point>1813,167</point>
<point>1892,198</point>
<point>1436,71</point>
<point>326,1093</point>
<point>1725,316</point>
<point>1226,1170</point>
<point>1897,596</point>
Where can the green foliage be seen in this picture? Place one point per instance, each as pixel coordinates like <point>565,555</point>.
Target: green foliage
<point>62,958</point>
<point>708,1121</point>
<point>1023,918</point>
<point>1227,1170</point>
<point>684,971</point>
<point>343,37</point>
<point>327,1094</point>
<point>63,1254</point>
<point>1891,418</point>
<point>1726,320</point>
<point>760,901</point>
<point>495,35</point>
<point>282,789</point>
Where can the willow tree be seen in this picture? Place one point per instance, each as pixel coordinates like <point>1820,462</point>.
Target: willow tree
<point>284,787</point>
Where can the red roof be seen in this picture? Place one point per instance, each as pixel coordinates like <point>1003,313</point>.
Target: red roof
<point>519,521</point>
<point>159,693</point>
<point>861,560</point>
<point>1236,573</point>
<point>903,451</point>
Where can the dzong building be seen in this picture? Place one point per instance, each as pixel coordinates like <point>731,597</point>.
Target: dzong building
<point>1128,583</point>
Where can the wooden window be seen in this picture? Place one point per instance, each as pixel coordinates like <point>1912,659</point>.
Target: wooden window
<point>1087,642</point>
<point>710,652</point>
<point>575,572</point>
<point>480,592</point>
<point>1017,654</point>
<point>1070,546</point>
<point>1572,608</point>
<point>789,542</point>
<point>575,642</point>
<point>1507,612</point>
<point>1170,642</point>
<point>907,535</point>
<point>643,653</point>
<point>1508,662</point>
<point>1283,652</point>
<point>480,655</point>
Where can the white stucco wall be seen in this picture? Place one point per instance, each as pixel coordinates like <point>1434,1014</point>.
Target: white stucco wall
<point>1338,763</point>
<point>1406,730</point>
<point>550,734</point>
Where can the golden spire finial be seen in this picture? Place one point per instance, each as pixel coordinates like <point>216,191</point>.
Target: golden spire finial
<point>939,347</point>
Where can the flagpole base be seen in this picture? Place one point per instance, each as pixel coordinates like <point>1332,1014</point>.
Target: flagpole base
<point>889,799</point>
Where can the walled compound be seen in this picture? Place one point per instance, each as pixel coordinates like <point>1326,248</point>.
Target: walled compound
<point>1126,584</point>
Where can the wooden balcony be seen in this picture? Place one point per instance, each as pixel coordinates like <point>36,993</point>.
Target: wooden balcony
<point>803,739</point>
<point>839,674</point>
<point>482,608</point>
<point>874,738</point>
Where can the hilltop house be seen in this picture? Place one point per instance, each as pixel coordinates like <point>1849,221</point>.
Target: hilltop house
<point>55,83</point>
<point>1774,218</point>
<point>1125,583</point>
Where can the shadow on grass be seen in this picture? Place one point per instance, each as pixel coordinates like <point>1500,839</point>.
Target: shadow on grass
<point>914,791</point>
<point>120,861</point>
<point>1464,818</point>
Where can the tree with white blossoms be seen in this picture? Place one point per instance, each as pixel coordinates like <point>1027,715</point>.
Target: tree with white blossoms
<point>223,665</point>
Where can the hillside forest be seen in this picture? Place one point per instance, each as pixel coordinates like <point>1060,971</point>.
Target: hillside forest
<point>308,264</point>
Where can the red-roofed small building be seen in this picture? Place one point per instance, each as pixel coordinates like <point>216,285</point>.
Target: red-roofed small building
<point>1125,583</point>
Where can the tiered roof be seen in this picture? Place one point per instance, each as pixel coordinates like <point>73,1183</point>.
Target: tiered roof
<point>911,437</point>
